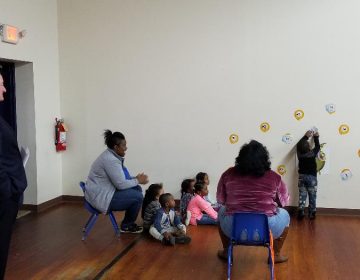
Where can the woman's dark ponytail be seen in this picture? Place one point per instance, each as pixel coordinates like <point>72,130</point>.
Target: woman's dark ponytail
<point>112,139</point>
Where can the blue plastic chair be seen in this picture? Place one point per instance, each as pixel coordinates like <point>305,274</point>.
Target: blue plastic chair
<point>251,229</point>
<point>94,215</point>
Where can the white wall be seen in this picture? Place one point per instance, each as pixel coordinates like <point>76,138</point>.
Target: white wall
<point>178,77</point>
<point>25,111</point>
<point>40,46</point>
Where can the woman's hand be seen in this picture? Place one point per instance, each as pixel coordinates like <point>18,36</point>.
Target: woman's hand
<point>142,178</point>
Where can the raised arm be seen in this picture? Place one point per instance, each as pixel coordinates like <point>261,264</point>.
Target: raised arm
<point>317,143</point>
<point>304,138</point>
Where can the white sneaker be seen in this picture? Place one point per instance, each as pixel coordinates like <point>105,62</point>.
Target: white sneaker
<point>188,217</point>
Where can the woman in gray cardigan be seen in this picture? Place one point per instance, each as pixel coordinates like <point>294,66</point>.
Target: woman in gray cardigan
<point>110,187</point>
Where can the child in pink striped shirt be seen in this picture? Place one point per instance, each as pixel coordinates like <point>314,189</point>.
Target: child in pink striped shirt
<point>202,212</point>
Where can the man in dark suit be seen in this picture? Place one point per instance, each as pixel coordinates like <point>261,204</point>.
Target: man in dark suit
<point>12,183</point>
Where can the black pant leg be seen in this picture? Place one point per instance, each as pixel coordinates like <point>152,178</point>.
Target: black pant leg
<point>8,211</point>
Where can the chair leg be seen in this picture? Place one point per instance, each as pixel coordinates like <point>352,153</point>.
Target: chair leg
<point>271,259</point>
<point>114,224</point>
<point>271,264</point>
<point>90,223</point>
<point>230,260</point>
<point>87,223</point>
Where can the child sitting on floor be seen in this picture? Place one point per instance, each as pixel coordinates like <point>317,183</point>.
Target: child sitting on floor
<point>201,210</point>
<point>168,224</point>
<point>203,177</point>
<point>151,204</point>
<point>187,193</point>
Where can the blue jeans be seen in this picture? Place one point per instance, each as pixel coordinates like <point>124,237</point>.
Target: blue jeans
<point>206,220</point>
<point>277,223</point>
<point>307,185</point>
<point>129,200</point>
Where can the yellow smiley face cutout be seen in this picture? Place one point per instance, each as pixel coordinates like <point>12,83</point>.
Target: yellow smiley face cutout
<point>233,138</point>
<point>344,129</point>
<point>281,169</point>
<point>264,127</point>
<point>299,114</point>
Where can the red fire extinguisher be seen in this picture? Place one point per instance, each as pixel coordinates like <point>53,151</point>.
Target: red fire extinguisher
<point>60,135</point>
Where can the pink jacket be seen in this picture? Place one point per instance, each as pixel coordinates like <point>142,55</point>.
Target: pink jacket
<point>197,205</point>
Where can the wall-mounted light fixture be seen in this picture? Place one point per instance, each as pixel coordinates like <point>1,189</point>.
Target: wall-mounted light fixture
<point>11,34</point>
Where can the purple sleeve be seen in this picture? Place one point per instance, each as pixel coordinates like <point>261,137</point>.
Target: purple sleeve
<point>221,191</point>
<point>282,194</point>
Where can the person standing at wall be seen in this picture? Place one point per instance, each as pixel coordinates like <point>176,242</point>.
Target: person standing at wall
<point>307,173</point>
<point>12,183</point>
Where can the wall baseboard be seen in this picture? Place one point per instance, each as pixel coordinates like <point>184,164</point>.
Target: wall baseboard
<point>79,199</point>
<point>52,202</point>
<point>327,211</point>
<point>72,198</point>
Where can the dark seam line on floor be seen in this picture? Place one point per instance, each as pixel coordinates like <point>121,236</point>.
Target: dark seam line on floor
<point>117,258</point>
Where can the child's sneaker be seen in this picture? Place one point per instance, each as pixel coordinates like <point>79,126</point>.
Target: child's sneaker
<point>182,239</point>
<point>168,242</point>
<point>134,228</point>
<point>188,217</point>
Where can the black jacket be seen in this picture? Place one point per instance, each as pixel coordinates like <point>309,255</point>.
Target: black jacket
<point>12,173</point>
<point>307,161</point>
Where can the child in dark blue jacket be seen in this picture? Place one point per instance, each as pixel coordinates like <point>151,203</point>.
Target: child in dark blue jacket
<point>168,223</point>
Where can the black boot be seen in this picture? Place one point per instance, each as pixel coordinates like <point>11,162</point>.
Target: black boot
<point>300,214</point>
<point>312,215</point>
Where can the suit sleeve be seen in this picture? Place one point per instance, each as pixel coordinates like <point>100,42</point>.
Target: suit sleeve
<point>5,182</point>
